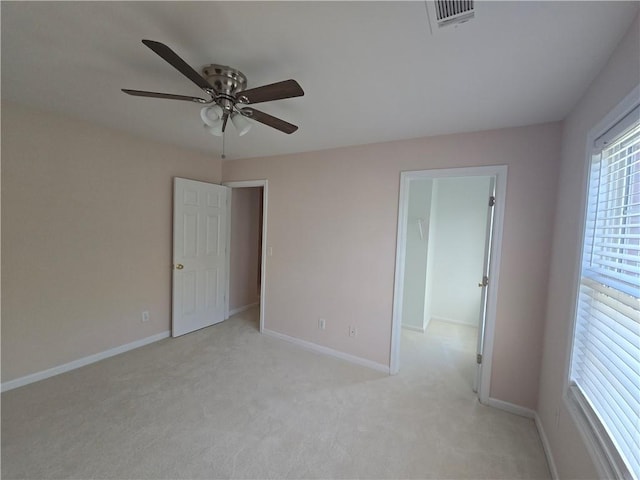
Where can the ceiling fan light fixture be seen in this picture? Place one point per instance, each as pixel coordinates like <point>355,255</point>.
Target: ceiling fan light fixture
<point>215,129</point>
<point>212,115</point>
<point>226,88</point>
<point>242,124</point>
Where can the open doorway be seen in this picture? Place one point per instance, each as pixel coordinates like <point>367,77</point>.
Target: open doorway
<point>449,231</point>
<point>247,244</point>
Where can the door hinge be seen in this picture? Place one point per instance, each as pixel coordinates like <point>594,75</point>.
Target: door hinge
<point>485,281</point>
<point>479,358</point>
<point>492,201</point>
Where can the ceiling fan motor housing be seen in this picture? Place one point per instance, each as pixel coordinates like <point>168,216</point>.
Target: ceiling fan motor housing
<point>226,81</point>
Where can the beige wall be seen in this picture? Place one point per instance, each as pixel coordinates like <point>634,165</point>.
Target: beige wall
<point>332,219</point>
<point>618,78</point>
<point>246,225</point>
<point>86,237</point>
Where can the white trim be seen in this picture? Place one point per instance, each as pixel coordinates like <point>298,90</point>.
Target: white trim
<point>314,347</point>
<point>592,443</point>
<point>263,265</point>
<point>510,407</point>
<point>243,308</point>
<point>245,183</point>
<point>227,295</point>
<point>415,329</point>
<point>398,287</point>
<point>500,173</point>
<point>81,362</point>
<point>546,446</point>
<point>455,321</point>
<point>621,110</point>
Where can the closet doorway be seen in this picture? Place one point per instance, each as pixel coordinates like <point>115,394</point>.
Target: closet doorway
<point>247,244</point>
<point>447,264</point>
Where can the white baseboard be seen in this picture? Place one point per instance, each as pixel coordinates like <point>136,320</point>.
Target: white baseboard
<point>546,446</point>
<point>415,329</point>
<point>81,362</point>
<point>453,320</point>
<point>328,351</point>
<point>511,408</point>
<point>242,309</point>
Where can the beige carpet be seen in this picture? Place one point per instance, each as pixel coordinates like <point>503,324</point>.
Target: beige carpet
<point>227,402</point>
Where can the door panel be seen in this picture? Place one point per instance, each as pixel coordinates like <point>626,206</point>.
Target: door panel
<point>199,255</point>
<point>485,281</point>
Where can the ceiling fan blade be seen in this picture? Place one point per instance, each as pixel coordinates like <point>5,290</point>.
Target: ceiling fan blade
<point>183,67</point>
<point>274,91</point>
<point>170,96</point>
<point>269,120</point>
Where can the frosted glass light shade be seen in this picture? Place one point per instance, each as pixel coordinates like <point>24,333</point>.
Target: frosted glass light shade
<point>242,124</point>
<point>211,115</point>
<point>215,129</point>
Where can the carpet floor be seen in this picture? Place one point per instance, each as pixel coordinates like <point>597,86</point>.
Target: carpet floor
<point>227,402</point>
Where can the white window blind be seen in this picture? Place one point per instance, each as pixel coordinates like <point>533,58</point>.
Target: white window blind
<point>605,366</point>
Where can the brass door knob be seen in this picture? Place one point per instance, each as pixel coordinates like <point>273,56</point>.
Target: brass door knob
<point>179,266</point>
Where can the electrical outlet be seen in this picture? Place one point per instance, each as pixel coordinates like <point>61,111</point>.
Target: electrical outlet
<point>353,331</point>
<point>321,323</point>
<point>145,316</point>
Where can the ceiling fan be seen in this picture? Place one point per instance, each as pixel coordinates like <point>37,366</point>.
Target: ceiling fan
<point>225,87</point>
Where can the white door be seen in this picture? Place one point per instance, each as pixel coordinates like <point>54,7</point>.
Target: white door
<point>485,281</point>
<point>199,255</point>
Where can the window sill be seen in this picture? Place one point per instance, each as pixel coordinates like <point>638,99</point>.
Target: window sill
<point>602,451</point>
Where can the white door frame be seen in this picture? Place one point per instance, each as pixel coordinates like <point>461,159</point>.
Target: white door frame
<point>263,259</point>
<point>500,172</point>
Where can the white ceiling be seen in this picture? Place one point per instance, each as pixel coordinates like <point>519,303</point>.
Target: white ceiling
<point>372,71</point>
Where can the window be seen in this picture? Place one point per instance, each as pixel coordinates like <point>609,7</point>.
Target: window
<point>605,364</point>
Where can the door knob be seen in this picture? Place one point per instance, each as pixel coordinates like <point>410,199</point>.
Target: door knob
<point>179,266</point>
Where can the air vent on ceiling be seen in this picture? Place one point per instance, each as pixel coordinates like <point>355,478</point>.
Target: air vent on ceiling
<point>450,12</point>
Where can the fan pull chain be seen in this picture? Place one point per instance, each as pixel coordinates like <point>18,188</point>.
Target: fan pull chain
<point>223,155</point>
